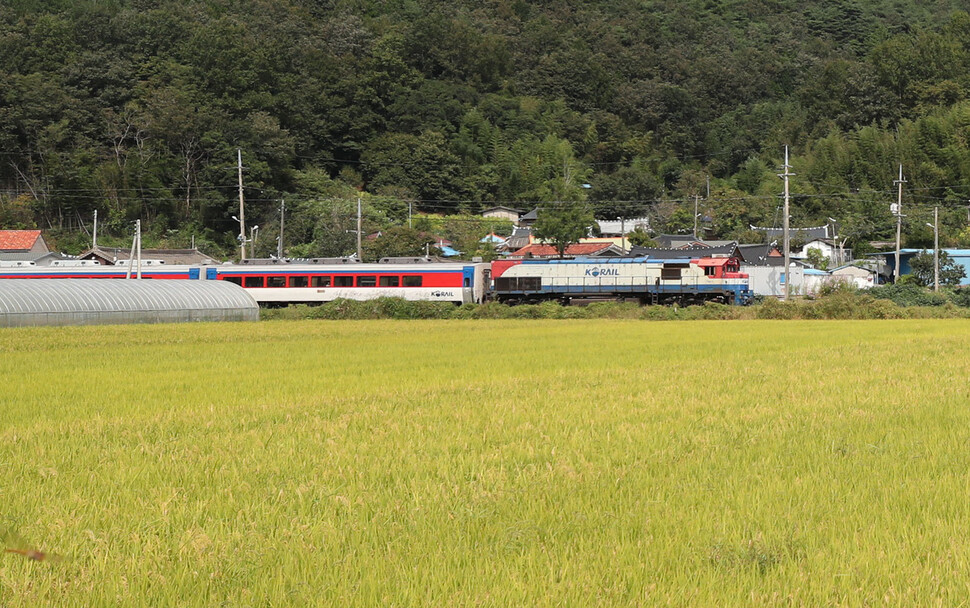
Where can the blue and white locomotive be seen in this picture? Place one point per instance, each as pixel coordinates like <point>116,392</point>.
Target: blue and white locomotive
<point>681,281</point>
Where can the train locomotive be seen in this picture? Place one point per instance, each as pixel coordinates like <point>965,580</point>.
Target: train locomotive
<point>681,281</point>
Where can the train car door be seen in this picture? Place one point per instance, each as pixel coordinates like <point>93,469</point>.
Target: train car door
<point>468,284</point>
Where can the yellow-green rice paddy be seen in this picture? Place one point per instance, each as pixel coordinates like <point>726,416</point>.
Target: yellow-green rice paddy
<point>506,463</point>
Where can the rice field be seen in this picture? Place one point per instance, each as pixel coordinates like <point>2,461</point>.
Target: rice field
<point>487,463</point>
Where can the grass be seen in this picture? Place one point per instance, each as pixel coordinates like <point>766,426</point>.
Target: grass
<point>487,463</point>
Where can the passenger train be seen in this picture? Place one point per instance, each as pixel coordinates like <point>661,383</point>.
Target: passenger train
<point>307,282</point>
<point>277,283</point>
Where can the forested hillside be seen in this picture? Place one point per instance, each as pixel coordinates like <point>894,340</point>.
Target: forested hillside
<point>136,108</point>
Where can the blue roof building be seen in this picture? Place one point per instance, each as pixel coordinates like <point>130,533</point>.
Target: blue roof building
<point>959,256</point>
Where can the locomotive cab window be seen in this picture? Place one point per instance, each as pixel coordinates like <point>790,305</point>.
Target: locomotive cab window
<point>299,281</point>
<point>413,281</point>
<point>320,281</point>
<point>276,281</point>
<point>390,281</point>
<point>367,281</point>
<point>710,271</point>
<point>253,282</point>
<point>339,281</point>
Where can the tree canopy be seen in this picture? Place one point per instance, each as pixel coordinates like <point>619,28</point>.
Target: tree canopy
<point>137,109</point>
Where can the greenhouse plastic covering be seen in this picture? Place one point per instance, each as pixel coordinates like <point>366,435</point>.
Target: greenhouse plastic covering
<point>26,302</point>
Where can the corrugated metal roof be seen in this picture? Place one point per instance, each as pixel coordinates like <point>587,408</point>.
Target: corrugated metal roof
<point>100,301</point>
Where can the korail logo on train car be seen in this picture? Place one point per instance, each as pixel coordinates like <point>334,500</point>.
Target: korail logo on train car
<point>602,272</point>
<point>442,294</point>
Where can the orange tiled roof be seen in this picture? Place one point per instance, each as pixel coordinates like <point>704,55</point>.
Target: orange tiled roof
<point>541,250</point>
<point>18,239</point>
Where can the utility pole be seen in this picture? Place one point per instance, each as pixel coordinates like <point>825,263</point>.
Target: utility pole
<point>787,240</point>
<point>135,251</point>
<point>696,200</point>
<point>279,245</point>
<point>899,220</point>
<point>94,234</point>
<point>936,248</point>
<point>409,214</point>
<point>623,233</point>
<point>138,233</point>
<point>242,210</point>
<point>360,250</point>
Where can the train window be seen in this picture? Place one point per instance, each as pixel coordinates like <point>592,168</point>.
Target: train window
<point>710,271</point>
<point>345,281</point>
<point>299,281</point>
<point>276,281</point>
<point>390,281</point>
<point>467,282</point>
<point>236,280</point>
<point>320,281</point>
<point>367,281</point>
<point>413,281</point>
<point>253,282</point>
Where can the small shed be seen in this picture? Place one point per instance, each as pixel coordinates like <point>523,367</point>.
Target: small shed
<point>858,276</point>
<point>27,302</point>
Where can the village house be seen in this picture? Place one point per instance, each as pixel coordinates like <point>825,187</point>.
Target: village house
<point>22,245</point>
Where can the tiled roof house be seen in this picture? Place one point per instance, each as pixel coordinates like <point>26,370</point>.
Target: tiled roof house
<point>22,245</point>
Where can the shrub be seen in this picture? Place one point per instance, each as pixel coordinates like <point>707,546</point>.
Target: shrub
<point>776,309</point>
<point>959,296</point>
<point>908,294</point>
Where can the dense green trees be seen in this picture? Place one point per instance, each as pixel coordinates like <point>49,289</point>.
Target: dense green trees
<point>136,109</point>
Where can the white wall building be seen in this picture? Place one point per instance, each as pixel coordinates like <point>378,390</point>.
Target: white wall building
<point>830,250</point>
<point>857,276</point>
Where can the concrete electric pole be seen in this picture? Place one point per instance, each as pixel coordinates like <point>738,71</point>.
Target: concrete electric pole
<point>898,211</point>
<point>242,210</point>
<point>785,223</point>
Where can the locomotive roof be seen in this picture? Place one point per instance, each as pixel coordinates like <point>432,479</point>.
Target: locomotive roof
<point>708,261</point>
